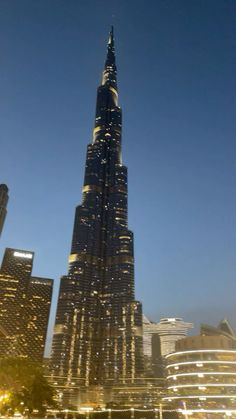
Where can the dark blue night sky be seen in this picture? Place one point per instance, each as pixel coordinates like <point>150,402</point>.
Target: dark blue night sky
<point>176,72</point>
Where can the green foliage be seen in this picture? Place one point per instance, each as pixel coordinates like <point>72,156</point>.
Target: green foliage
<point>23,386</point>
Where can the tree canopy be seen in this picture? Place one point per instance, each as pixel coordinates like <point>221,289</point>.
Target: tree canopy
<point>23,386</point>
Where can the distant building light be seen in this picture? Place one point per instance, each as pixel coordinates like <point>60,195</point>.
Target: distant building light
<point>23,255</point>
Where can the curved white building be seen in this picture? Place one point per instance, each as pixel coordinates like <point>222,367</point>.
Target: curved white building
<point>201,377</point>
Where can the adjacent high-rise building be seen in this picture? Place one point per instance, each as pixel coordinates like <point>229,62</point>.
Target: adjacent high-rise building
<point>149,329</point>
<point>170,330</point>
<point>3,204</point>
<point>15,275</point>
<point>159,339</point>
<point>98,331</point>
<point>37,307</point>
<point>24,306</point>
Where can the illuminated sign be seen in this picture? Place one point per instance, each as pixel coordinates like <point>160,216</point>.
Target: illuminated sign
<point>23,255</point>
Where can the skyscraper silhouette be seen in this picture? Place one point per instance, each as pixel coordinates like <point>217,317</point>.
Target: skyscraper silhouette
<point>3,204</point>
<point>98,331</point>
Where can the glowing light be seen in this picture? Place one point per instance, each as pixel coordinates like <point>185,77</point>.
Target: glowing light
<point>200,351</point>
<point>4,397</point>
<point>199,385</point>
<point>176,366</point>
<point>190,412</point>
<point>222,396</point>
<point>23,255</point>
<point>86,409</point>
<point>203,374</point>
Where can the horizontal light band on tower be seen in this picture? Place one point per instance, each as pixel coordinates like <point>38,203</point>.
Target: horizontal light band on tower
<point>200,362</point>
<point>201,385</point>
<point>190,411</point>
<point>97,188</point>
<point>91,188</point>
<point>23,255</point>
<point>111,260</point>
<point>202,373</point>
<point>200,351</point>
<point>197,396</point>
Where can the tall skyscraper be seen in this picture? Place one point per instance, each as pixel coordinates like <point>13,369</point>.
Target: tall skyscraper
<point>15,275</point>
<point>98,331</point>
<point>3,204</point>
<point>37,309</point>
<point>24,306</point>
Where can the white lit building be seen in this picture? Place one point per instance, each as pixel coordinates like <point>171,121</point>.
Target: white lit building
<point>149,328</point>
<point>170,330</point>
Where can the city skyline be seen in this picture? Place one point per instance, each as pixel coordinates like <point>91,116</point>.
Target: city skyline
<point>187,237</point>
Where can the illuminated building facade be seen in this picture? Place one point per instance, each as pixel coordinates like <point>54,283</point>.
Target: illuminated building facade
<point>3,204</point>
<point>37,307</point>
<point>149,329</point>
<point>98,330</point>
<point>167,332</point>
<point>170,330</point>
<point>15,275</point>
<point>201,376</point>
<point>159,339</point>
<point>24,306</point>
<point>148,393</point>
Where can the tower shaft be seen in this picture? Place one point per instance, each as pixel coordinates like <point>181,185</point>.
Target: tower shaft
<point>98,333</point>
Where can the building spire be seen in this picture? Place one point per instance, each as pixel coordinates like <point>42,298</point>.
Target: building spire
<point>111,36</point>
<point>109,73</point>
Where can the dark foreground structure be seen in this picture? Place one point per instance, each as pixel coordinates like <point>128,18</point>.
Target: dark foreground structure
<point>98,332</point>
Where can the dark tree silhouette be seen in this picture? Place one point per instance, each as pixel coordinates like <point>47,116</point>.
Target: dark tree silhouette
<point>23,386</point>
